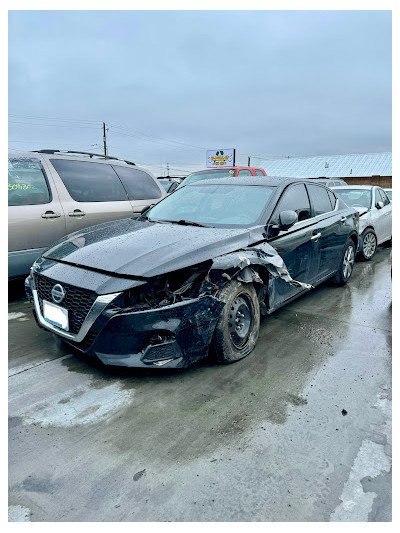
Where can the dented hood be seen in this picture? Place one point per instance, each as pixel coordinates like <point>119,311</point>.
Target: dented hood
<point>146,249</point>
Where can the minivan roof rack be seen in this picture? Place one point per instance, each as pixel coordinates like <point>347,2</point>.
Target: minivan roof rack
<point>90,154</point>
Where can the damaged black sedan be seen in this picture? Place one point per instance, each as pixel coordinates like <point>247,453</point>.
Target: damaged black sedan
<point>194,273</point>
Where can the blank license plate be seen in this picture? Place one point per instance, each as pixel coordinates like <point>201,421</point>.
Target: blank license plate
<point>56,315</point>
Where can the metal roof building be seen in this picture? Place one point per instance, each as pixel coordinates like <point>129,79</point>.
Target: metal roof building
<point>373,168</point>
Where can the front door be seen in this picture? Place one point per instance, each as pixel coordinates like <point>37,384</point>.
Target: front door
<point>294,245</point>
<point>382,217</point>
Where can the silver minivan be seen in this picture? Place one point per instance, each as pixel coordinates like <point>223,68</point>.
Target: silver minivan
<point>52,193</point>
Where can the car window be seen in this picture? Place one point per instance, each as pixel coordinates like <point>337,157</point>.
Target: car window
<point>355,197</point>
<point>208,175</point>
<point>172,187</point>
<point>383,197</point>
<point>138,184</point>
<point>259,172</point>
<point>90,182</point>
<point>332,198</point>
<point>294,199</point>
<point>27,184</point>
<point>244,173</point>
<point>165,183</point>
<point>319,199</point>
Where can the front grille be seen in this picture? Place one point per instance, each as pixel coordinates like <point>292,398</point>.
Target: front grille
<point>77,301</point>
<point>86,343</point>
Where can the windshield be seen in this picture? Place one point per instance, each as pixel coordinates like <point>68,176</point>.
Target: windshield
<point>208,175</point>
<point>213,205</point>
<point>355,197</point>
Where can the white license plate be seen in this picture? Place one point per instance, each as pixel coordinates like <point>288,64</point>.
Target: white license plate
<point>56,315</point>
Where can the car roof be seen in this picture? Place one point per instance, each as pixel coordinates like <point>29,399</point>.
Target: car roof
<point>347,187</point>
<point>228,168</point>
<point>266,181</point>
<point>76,157</point>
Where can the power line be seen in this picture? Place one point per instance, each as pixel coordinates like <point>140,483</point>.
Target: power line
<point>126,131</point>
<point>60,119</point>
<point>54,125</point>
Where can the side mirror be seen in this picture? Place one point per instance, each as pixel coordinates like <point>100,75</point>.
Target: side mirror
<point>379,205</point>
<point>287,219</point>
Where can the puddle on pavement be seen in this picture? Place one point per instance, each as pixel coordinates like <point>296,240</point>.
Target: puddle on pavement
<point>87,404</point>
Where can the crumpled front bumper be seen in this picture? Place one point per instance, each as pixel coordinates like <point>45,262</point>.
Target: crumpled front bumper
<point>172,336</point>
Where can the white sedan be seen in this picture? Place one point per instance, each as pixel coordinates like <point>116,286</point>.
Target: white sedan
<point>375,211</point>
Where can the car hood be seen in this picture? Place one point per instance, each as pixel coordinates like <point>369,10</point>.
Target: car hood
<point>145,249</point>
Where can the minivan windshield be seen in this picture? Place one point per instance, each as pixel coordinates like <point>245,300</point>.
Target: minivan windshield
<point>208,175</point>
<point>213,205</point>
<point>355,197</point>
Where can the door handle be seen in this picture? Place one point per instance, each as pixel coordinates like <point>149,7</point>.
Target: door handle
<point>77,213</point>
<point>343,220</point>
<point>316,236</point>
<point>50,214</point>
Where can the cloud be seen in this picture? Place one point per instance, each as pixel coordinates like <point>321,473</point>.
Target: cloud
<point>266,82</point>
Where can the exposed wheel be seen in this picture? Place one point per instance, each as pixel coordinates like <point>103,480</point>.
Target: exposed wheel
<point>368,245</point>
<point>346,265</point>
<point>237,329</point>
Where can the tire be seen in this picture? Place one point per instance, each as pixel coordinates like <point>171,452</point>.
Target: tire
<point>369,244</point>
<point>238,326</point>
<point>346,264</point>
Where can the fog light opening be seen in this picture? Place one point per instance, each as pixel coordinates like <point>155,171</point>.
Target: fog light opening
<point>162,363</point>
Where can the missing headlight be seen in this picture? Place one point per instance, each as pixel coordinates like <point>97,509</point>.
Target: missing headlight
<point>169,288</point>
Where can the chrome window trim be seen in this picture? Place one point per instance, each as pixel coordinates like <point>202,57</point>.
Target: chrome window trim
<point>97,308</point>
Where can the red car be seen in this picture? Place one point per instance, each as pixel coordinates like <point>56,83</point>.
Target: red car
<point>211,173</point>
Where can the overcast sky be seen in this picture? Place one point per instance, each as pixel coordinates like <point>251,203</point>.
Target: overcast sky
<point>268,83</point>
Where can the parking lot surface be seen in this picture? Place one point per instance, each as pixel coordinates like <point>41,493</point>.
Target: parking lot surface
<point>298,431</point>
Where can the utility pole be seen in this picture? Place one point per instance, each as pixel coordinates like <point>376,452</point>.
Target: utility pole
<point>104,140</point>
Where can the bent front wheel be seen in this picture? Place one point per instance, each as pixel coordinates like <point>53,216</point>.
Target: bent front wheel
<point>237,329</point>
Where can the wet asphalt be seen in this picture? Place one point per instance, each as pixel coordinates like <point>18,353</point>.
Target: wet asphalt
<point>300,430</point>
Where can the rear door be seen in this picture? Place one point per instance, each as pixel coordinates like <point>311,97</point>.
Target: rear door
<point>142,189</point>
<point>294,245</point>
<point>91,193</point>
<point>329,234</point>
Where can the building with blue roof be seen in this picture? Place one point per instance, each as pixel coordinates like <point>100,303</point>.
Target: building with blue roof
<point>360,169</point>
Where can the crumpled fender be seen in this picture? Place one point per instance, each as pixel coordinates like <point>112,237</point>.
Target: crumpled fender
<point>238,265</point>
